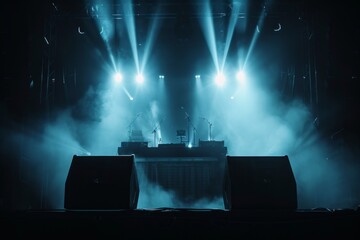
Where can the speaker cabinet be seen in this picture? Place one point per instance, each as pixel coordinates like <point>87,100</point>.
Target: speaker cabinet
<point>253,182</point>
<point>101,182</point>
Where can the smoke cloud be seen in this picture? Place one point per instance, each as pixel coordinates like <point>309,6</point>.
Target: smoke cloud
<point>252,123</point>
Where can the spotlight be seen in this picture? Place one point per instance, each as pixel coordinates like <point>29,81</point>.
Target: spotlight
<point>220,79</point>
<point>161,76</point>
<point>118,77</point>
<point>240,75</point>
<point>139,78</point>
<point>197,77</point>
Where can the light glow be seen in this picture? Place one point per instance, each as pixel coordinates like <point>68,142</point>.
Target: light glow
<point>240,76</point>
<point>139,78</point>
<point>118,77</point>
<point>220,79</point>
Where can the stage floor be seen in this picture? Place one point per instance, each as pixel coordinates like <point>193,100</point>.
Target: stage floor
<point>182,224</point>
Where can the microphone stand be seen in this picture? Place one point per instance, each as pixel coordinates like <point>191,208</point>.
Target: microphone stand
<point>210,125</point>
<point>131,124</point>
<point>154,132</point>
<point>187,116</point>
<point>194,132</point>
<point>188,121</point>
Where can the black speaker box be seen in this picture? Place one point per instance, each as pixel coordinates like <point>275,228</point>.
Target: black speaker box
<point>259,182</point>
<point>101,182</point>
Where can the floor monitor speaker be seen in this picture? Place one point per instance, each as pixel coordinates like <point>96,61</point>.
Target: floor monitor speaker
<point>101,182</point>
<point>255,182</point>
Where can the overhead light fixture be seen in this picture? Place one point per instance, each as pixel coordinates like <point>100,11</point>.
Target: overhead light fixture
<point>278,28</point>
<point>47,42</point>
<point>80,31</point>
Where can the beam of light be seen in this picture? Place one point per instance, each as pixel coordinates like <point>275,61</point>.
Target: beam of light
<point>207,27</point>
<point>230,31</point>
<point>256,34</point>
<point>130,26</point>
<point>59,139</point>
<point>105,27</point>
<point>131,98</point>
<point>79,150</point>
<point>149,42</point>
<point>106,33</point>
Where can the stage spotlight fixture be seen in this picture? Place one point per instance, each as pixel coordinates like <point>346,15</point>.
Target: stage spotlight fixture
<point>80,31</point>
<point>118,77</point>
<point>139,78</point>
<point>46,40</point>
<point>161,76</point>
<point>197,77</point>
<point>278,28</point>
<point>240,75</point>
<point>220,79</point>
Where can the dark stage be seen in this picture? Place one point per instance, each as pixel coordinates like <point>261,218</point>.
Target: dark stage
<point>181,224</point>
<point>259,195</point>
<point>180,119</point>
